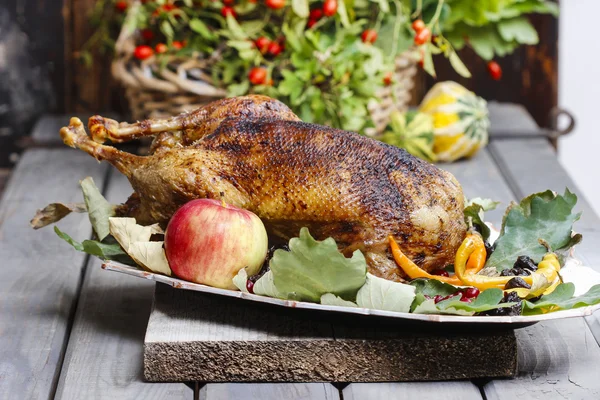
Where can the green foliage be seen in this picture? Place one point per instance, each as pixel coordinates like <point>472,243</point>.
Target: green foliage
<point>493,27</point>
<point>474,214</point>
<point>539,220</point>
<point>382,294</point>
<point>312,268</point>
<point>412,131</point>
<point>488,300</point>
<point>324,71</point>
<point>108,250</point>
<point>562,299</point>
<point>99,210</point>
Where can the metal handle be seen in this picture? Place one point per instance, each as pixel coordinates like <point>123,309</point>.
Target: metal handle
<point>554,132</point>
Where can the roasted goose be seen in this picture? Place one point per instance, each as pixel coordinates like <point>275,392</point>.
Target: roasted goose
<point>291,174</point>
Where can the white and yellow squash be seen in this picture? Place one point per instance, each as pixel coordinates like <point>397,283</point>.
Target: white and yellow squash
<point>460,120</point>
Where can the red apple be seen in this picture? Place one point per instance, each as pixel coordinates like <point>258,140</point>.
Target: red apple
<point>208,242</point>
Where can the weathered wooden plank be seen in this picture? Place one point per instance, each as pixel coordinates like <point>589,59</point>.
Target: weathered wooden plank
<point>40,274</point>
<point>459,390</point>
<point>530,165</point>
<point>104,354</point>
<point>269,391</point>
<point>479,177</point>
<point>511,119</point>
<point>557,359</point>
<point>211,338</point>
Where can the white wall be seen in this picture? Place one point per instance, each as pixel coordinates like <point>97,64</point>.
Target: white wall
<point>579,92</point>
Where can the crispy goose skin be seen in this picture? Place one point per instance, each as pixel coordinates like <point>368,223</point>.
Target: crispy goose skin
<point>293,174</point>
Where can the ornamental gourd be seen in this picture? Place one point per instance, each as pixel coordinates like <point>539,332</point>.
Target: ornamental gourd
<point>460,120</point>
<point>413,131</point>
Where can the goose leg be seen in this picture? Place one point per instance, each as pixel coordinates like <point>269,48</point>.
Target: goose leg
<point>102,128</point>
<point>193,125</point>
<point>75,136</point>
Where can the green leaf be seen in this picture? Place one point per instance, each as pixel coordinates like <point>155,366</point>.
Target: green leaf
<point>265,286</point>
<point>429,307</point>
<point>105,251</point>
<point>291,38</point>
<point>330,299</point>
<point>99,210</point>
<point>200,27</point>
<point>384,6</point>
<point>291,85</point>
<point>562,299</point>
<point>487,42</point>
<point>167,29</point>
<point>300,8</point>
<point>385,38</point>
<point>487,300</point>
<point>431,287</point>
<point>428,60</point>
<point>312,268</point>
<point>246,49</point>
<point>544,216</point>
<point>252,28</point>
<point>78,246</point>
<point>382,294</point>
<point>238,89</point>
<point>458,65</point>
<point>519,29</point>
<point>474,214</point>
<point>241,279</point>
<point>343,13</point>
<point>412,131</point>
<point>235,29</point>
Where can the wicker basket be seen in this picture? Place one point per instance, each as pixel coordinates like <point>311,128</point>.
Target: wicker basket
<point>181,85</point>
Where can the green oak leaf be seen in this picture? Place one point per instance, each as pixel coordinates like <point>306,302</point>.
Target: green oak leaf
<point>562,298</point>
<point>329,299</point>
<point>474,214</point>
<point>382,294</point>
<point>431,287</point>
<point>313,268</point>
<point>541,217</point>
<point>428,306</point>
<point>487,300</point>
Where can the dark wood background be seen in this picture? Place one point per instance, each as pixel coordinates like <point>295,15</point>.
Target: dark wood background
<point>54,80</point>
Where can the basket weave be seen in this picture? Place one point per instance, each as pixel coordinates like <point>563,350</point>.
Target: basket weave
<point>156,90</point>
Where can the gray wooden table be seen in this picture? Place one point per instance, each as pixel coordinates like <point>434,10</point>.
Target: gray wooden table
<point>69,330</point>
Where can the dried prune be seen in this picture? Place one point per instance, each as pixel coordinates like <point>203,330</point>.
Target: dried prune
<point>517,282</point>
<point>515,272</point>
<point>525,263</point>
<point>510,297</point>
<point>489,249</point>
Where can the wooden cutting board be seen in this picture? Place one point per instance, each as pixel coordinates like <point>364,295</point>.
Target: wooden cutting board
<point>195,336</point>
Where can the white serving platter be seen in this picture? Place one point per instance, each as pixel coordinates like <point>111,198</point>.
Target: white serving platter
<point>518,321</point>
